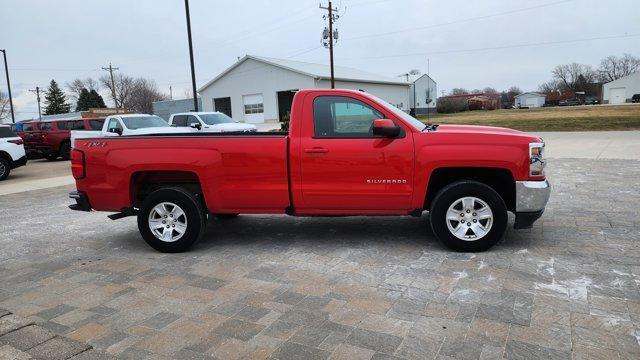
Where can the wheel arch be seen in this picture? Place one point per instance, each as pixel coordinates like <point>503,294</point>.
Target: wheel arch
<point>143,183</point>
<point>501,180</point>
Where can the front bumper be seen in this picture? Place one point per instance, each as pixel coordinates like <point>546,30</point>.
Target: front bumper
<point>531,199</point>
<point>82,201</point>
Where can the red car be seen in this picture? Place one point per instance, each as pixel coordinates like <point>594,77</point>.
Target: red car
<point>55,135</point>
<point>31,136</point>
<point>346,153</point>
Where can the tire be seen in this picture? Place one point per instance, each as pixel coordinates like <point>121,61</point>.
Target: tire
<point>5,168</point>
<point>468,200</point>
<point>51,156</point>
<point>226,216</point>
<point>191,220</point>
<point>65,151</point>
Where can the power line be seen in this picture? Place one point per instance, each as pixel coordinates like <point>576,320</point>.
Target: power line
<point>499,47</point>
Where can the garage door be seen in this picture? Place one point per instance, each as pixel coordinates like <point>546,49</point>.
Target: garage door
<point>253,108</point>
<point>531,102</point>
<point>617,95</point>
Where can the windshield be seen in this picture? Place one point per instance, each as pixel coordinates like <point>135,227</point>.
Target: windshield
<point>142,122</point>
<point>417,124</point>
<point>214,119</point>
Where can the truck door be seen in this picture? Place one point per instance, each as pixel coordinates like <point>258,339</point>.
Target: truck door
<point>345,167</point>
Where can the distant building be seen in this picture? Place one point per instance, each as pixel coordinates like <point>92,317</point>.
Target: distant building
<point>422,95</point>
<point>529,99</point>
<point>166,108</point>
<point>620,91</point>
<point>260,90</point>
<point>477,101</point>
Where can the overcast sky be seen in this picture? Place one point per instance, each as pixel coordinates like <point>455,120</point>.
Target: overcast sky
<point>470,44</point>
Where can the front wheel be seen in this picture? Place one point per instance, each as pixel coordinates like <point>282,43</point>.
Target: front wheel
<point>171,220</point>
<point>468,216</point>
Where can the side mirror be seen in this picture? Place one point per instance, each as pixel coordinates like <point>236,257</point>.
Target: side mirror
<point>116,131</point>
<point>196,126</point>
<point>386,128</point>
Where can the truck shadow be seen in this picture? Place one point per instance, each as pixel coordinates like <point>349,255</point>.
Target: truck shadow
<point>328,232</point>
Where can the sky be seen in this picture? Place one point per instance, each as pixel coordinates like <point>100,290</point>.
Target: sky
<point>467,43</point>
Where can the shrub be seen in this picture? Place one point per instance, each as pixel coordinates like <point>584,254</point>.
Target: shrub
<point>284,122</point>
<point>452,105</point>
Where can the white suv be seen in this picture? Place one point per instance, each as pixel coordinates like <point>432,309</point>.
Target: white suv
<point>12,153</point>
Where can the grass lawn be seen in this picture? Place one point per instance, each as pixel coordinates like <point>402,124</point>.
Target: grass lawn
<point>566,118</point>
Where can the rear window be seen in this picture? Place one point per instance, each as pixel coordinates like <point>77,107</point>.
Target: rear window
<point>96,124</point>
<point>5,132</point>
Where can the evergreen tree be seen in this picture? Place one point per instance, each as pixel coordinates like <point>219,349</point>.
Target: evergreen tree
<point>55,100</point>
<point>95,100</point>
<point>83,100</point>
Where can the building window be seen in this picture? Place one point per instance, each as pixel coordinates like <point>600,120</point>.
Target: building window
<point>254,108</point>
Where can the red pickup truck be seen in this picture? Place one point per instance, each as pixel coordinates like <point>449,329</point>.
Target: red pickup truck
<point>346,153</point>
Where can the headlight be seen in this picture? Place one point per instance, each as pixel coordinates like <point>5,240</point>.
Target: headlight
<point>536,159</point>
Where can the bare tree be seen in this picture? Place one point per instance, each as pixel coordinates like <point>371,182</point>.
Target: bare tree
<point>4,106</point>
<point>123,89</point>
<point>550,86</point>
<point>458,91</point>
<point>489,90</point>
<point>613,67</point>
<point>75,87</point>
<point>143,94</point>
<point>575,76</point>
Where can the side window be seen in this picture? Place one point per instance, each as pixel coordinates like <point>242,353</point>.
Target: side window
<point>45,126</point>
<point>180,120</point>
<point>192,120</point>
<point>96,124</point>
<point>114,124</point>
<point>63,125</point>
<point>78,125</point>
<point>27,127</point>
<point>340,116</point>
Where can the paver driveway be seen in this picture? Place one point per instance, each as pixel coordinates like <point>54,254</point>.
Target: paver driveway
<point>293,288</point>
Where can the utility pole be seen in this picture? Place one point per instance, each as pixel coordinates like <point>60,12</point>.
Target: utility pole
<point>170,93</point>
<point>6,69</point>
<point>193,70</point>
<point>110,69</point>
<point>329,34</point>
<point>37,92</point>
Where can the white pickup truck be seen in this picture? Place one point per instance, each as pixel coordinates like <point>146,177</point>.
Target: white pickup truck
<point>128,124</point>
<point>209,122</point>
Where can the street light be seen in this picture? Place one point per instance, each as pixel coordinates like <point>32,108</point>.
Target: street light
<point>6,69</point>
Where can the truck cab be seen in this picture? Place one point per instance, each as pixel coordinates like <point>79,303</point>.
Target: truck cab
<point>209,122</point>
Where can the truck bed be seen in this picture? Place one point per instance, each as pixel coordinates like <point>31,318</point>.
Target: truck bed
<point>239,172</point>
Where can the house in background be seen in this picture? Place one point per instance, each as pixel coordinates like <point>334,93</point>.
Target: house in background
<point>260,90</point>
<point>620,91</point>
<point>529,99</point>
<point>422,95</point>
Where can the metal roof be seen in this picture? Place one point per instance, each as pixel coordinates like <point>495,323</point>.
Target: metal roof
<point>531,93</point>
<point>321,71</point>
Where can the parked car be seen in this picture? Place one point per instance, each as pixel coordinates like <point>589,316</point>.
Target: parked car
<point>55,135</point>
<point>12,154</point>
<point>209,122</point>
<point>346,153</point>
<point>570,102</point>
<point>31,135</point>
<point>635,98</point>
<point>591,100</point>
<point>127,124</point>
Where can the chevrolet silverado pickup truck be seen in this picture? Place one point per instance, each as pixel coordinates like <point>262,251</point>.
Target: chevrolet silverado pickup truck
<point>346,153</point>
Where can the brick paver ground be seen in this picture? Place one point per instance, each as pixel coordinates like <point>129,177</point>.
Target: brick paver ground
<point>343,288</point>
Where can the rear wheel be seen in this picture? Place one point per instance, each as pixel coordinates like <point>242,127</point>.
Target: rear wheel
<point>65,151</point>
<point>468,216</point>
<point>171,220</point>
<point>5,169</point>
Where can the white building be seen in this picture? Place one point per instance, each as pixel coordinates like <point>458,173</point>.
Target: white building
<point>529,99</point>
<point>423,93</point>
<point>621,90</point>
<point>260,90</point>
